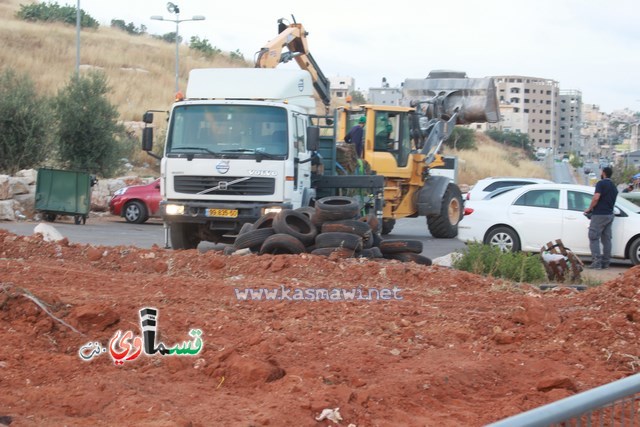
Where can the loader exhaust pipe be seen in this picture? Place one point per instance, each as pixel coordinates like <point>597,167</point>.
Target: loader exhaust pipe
<point>444,93</point>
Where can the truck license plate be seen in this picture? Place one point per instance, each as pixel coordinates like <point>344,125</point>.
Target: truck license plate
<point>226,213</point>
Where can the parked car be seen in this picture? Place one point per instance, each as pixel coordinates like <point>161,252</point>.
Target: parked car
<point>488,185</point>
<point>137,203</point>
<point>529,217</point>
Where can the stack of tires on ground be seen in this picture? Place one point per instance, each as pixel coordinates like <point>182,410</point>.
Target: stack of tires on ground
<point>332,228</point>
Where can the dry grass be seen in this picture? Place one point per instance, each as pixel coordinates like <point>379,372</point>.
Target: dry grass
<point>140,70</point>
<point>494,159</point>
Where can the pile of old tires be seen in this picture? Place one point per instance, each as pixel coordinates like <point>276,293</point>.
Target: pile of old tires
<point>333,227</point>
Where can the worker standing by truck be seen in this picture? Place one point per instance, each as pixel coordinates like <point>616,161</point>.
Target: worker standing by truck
<point>355,136</point>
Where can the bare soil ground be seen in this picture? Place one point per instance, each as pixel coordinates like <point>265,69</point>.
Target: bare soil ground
<point>458,349</point>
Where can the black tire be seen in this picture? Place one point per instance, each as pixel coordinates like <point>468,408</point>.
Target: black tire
<point>253,239</point>
<point>376,240</point>
<point>265,221</point>
<point>409,257</point>
<point>373,221</point>
<point>367,240</point>
<point>336,252</point>
<point>371,253</point>
<point>505,238</point>
<point>400,246</point>
<point>247,226</point>
<point>50,217</point>
<point>184,236</point>
<point>135,212</point>
<point>335,208</point>
<point>445,225</point>
<point>339,240</point>
<point>387,226</point>
<point>277,244</point>
<point>307,210</point>
<point>634,251</point>
<point>352,226</point>
<point>295,224</point>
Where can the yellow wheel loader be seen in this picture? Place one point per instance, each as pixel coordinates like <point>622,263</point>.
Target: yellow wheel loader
<point>402,144</point>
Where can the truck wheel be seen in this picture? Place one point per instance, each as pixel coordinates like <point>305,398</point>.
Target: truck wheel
<point>387,226</point>
<point>184,236</point>
<point>445,225</point>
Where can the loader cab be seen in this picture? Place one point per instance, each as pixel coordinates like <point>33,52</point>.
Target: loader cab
<point>388,143</point>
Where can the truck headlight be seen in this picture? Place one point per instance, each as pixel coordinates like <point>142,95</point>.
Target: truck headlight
<point>174,209</point>
<point>275,209</point>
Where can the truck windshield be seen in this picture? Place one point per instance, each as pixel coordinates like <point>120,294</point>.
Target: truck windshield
<point>228,131</point>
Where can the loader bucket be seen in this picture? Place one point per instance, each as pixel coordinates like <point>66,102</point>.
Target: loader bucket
<point>475,100</point>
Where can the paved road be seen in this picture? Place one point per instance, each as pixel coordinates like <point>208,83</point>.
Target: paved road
<point>115,231</point>
<point>561,173</point>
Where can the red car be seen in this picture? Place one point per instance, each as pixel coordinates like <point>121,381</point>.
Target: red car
<point>136,203</point>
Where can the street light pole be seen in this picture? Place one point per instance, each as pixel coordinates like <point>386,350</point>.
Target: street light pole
<point>173,8</point>
<point>78,39</point>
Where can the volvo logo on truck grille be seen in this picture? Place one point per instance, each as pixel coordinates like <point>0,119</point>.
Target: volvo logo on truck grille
<point>223,166</point>
<point>259,172</point>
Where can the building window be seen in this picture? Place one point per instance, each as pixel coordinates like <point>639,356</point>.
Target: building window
<point>548,112</point>
<point>526,100</point>
<point>548,92</point>
<point>526,110</point>
<point>514,100</point>
<point>548,122</point>
<point>515,90</point>
<point>516,110</point>
<point>526,90</point>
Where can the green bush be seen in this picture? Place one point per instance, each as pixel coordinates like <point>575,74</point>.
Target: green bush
<point>87,132</point>
<point>462,139</point>
<point>512,139</point>
<point>53,12</point>
<point>203,46</point>
<point>490,260</point>
<point>24,124</point>
<point>128,28</point>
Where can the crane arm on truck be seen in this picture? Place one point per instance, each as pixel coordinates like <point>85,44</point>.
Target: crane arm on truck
<point>294,38</point>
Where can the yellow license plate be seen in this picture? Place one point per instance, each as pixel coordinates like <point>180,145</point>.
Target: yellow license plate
<point>226,213</point>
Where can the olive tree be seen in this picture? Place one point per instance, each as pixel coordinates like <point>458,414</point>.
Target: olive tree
<point>87,132</point>
<point>24,124</point>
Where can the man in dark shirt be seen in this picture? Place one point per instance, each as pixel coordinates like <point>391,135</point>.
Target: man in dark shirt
<point>355,136</point>
<point>601,209</point>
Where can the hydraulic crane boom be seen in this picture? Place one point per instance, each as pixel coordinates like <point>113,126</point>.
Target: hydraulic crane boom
<point>294,38</point>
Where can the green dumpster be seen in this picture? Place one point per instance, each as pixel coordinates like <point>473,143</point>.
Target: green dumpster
<point>61,192</point>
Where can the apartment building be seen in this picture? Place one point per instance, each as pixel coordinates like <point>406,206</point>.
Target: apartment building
<point>570,114</point>
<point>341,86</point>
<point>533,100</point>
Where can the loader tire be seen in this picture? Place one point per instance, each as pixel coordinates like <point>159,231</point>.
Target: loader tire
<point>445,225</point>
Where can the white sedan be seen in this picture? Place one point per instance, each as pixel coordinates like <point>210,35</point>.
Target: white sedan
<point>529,217</point>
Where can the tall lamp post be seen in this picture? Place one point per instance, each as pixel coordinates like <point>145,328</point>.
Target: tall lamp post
<point>173,8</point>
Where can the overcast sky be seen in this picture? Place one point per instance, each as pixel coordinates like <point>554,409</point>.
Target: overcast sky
<point>587,45</point>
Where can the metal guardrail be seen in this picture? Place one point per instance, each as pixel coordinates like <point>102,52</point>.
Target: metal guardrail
<point>613,404</point>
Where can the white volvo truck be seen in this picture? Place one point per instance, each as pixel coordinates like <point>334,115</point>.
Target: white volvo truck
<point>238,145</point>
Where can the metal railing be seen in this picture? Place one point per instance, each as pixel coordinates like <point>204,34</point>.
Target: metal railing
<point>613,404</point>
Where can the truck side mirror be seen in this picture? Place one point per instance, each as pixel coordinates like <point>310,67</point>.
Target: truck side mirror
<point>147,117</point>
<point>147,139</point>
<point>313,138</point>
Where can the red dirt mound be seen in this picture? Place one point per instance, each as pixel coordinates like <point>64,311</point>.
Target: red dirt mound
<point>434,346</point>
